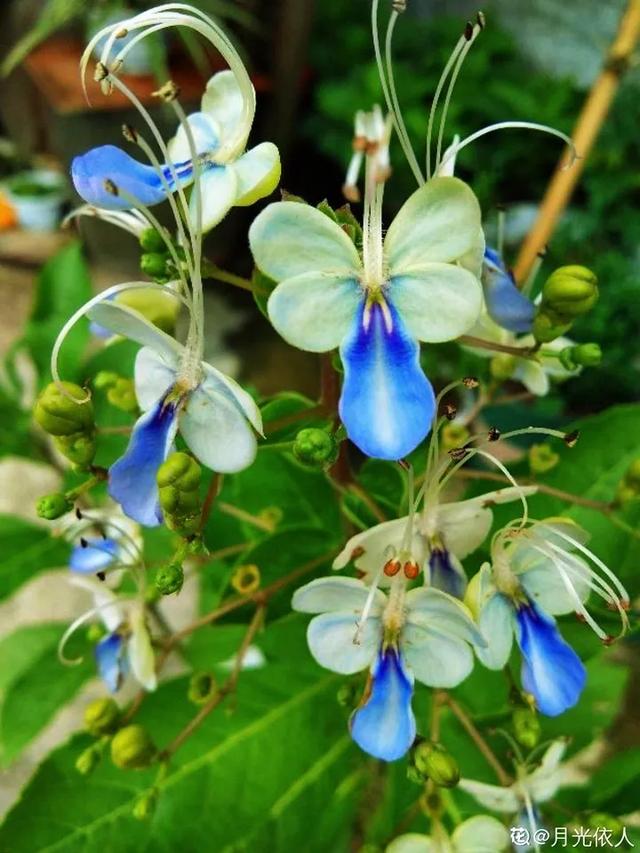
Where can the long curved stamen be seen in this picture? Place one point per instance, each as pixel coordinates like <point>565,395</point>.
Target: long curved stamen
<point>524,125</point>
<point>129,220</point>
<point>434,104</point>
<point>469,39</point>
<point>366,610</point>
<point>81,312</point>
<point>78,623</point>
<point>528,804</point>
<point>124,537</point>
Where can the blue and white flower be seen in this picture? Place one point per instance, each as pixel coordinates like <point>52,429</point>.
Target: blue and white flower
<point>407,635</point>
<point>478,834</point>
<point>506,304</point>
<point>537,573</point>
<point>210,145</point>
<point>103,539</point>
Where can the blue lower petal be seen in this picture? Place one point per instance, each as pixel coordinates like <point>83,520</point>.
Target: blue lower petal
<point>110,660</point>
<point>506,305</point>
<point>132,479</point>
<point>551,670</point>
<point>387,402</point>
<point>385,726</point>
<point>443,575</point>
<point>95,556</point>
<point>134,179</point>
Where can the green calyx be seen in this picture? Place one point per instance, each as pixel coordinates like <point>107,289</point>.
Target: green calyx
<point>526,727</point>
<point>151,241</point>
<point>315,448</point>
<point>169,579</point>
<point>79,449</point>
<point>53,506</point>
<point>432,761</point>
<point>132,748</point>
<point>59,412</point>
<point>179,484</point>
<point>101,717</point>
<point>154,264</point>
<point>88,760</point>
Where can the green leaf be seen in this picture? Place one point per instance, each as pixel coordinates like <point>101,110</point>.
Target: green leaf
<point>27,551</point>
<point>614,786</point>
<point>54,16</point>
<point>35,685</point>
<point>283,417</point>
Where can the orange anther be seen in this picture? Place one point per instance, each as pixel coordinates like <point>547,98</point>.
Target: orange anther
<point>392,567</point>
<point>411,569</point>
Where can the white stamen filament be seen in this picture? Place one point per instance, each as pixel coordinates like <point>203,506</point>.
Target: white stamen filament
<point>129,220</point>
<point>501,225</point>
<point>366,610</point>
<point>527,287</point>
<point>78,623</point>
<point>372,254</point>
<point>434,104</point>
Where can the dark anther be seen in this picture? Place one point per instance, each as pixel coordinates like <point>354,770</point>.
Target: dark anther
<point>110,187</point>
<point>129,133</point>
<point>450,411</point>
<point>468,31</point>
<point>79,515</point>
<point>470,382</point>
<point>609,640</point>
<point>169,92</point>
<point>481,20</point>
<point>493,434</point>
<point>571,438</point>
<point>101,73</point>
<point>458,453</point>
<point>83,542</point>
<point>399,6</point>
<point>101,576</point>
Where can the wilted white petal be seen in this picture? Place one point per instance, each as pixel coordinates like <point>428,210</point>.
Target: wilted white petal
<point>491,796</point>
<point>481,834</point>
<point>549,776</point>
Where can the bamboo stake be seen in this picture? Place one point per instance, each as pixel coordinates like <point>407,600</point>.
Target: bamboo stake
<point>588,126</point>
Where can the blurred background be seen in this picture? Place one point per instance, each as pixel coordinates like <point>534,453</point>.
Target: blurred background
<point>312,66</point>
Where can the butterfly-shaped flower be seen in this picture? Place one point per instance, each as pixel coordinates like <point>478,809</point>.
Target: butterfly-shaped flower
<point>376,305</point>
<point>420,634</point>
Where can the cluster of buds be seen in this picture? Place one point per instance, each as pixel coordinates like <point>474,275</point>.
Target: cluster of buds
<point>131,746</point>
<point>431,761</point>
<point>567,294</point>
<point>526,726</point>
<point>65,412</point>
<point>155,260</point>
<point>120,391</point>
<point>629,486</point>
<point>581,355</point>
<point>179,490</point>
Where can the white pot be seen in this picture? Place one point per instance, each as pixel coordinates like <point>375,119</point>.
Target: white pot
<point>38,212</point>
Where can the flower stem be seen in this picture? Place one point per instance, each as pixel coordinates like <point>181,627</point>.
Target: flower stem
<point>211,270</point>
<point>212,493</point>
<point>470,728</point>
<point>472,341</point>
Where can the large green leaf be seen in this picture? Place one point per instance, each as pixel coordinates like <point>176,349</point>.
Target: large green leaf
<point>26,551</point>
<point>35,685</point>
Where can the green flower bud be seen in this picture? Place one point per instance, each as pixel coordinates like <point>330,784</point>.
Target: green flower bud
<point>178,484</point>
<point>526,727</point>
<point>101,717</point>
<point>169,579</point>
<point>79,449</point>
<point>122,395</point>
<point>202,686</point>
<point>433,761</point>
<point>246,579</point>
<point>53,506</point>
<point>104,379</point>
<point>502,366</point>
<point>546,327</point>
<point>151,241</point>
<point>602,820</point>
<point>154,264</point>
<point>62,415</point>
<point>159,308</point>
<point>570,292</point>
<point>542,458</point>
<point>586,355</point>
<point>415,776</point>
<point>88,760</point>
<point>132,748</point>
<point>145,805</point>
<point>315,448</point>
<point>95,633</point>
<point>180,470</point>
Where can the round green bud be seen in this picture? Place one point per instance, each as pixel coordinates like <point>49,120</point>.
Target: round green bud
<point>542,458</point>
<point>547,327</point>
<point>565,357</point>
<point>502,366</point>
<point>180,470</point>
<point>53,506</point>
<point>88,760</point>
<point>315,448</point>
<point>122,395</point>
<point>132,748</point>
<point>602,820</point>
<point>95,633</point>
<point>570,292</point>
<point>526,727</point>
<point>105,379</point>
<point>151,241</point>
<point>202,685</point>
<point>145,805</point>
<point>586,355</point>
<point>433,760</point>
<point>154,264</point>
<point>79,449</point>
<point>101,717</point>
<point>159,308</point>
<point>169,579</point>
<point>60,414</point>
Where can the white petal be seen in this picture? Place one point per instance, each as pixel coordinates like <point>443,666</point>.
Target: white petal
<point>216,380</point>
<point>206,137</point>
<point>224,103</point>
<point>326,595</point>
<point>532,375</point>
<point>104,599</point>
<point>131,324</point>
<point>497,625</point>
<point>491,796</point>
<point>140,651</point>
<point>153,377</point>
<point>435,659</point>
<point>217,432</point>
<point>258,173</point>
<point>431,608</point>
<point>314,311</point>
<point>438,302</point>
<point>412,842</point>
<point>548,777</point>
<point>219,191</point>
<point>331,642</point>
<point>481,834</point>
<point>438,223</point>
<point>474,258</point>
<point>289,239</point>
<point>543,583</point>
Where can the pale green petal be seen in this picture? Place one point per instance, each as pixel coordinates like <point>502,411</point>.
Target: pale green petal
<point>205,134</point>
<point>290,239</point>
<point>314,311</point>
<point>129,323</point>
<point>481,834</point>
<point>532,375</point>
<point>435,659</point>
<point>431,608</point>
<point>337,644</point>
<point>438,302</point>
<point>543,582</point>
<point>326,595</point>
<point>438,223</point>
<point>412,842</point>
<point>474,258</point>
<point>153,377</point>
<point>257,173</point>
<point>491,796</point>
<point>219,191</point>
<point>497,625</point>
<point>224,102</point>
<point>228,386</point>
